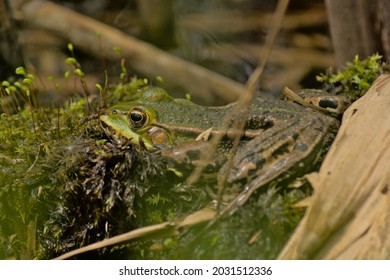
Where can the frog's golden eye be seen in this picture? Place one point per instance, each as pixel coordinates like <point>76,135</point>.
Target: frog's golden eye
<point>138,117</point>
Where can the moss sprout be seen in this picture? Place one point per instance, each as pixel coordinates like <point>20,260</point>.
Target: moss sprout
<point>356,79</point>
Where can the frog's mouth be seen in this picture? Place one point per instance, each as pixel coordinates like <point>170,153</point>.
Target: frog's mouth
<point>110,132</point>
<point>118,131</point>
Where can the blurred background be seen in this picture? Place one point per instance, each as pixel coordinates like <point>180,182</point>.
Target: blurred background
<point>224,36</point>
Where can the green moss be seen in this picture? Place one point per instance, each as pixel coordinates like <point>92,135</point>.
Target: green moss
<point>257,231</point>
<point>30,147</point>
<point>64,184</point>
<point>356,79</point>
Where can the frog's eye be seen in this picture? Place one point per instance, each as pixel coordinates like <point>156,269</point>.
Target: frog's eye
<point>138,117</point>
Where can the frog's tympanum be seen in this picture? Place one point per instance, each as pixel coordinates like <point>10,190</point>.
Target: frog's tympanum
<point>280,139</point>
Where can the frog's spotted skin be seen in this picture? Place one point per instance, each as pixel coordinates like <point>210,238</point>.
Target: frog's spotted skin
<point>280,139</point>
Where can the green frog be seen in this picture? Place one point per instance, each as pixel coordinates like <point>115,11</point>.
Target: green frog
<point>280,140</point>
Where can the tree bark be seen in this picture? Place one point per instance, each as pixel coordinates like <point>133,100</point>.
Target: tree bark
<point>354,29</point>
<point>384,13</point>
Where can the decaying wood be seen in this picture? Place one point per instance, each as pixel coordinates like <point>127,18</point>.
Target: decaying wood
<point>145,58</point>
<point>349,216</point>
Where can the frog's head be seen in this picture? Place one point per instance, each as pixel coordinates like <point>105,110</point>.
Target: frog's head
<point>137,120</point>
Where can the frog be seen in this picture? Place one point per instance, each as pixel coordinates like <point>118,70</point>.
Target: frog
<point>280,141</point>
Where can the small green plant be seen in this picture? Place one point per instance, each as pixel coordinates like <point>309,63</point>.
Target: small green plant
<point>155,199</point>
<point>78,72</point>
<point>356,79</point>
<point>13,95</point>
